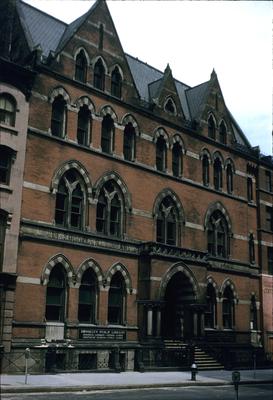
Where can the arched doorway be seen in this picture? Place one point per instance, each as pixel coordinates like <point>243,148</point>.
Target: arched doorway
<point>177,318</point>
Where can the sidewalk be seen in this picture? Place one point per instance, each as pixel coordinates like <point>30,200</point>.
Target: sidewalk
<point>65,382</point>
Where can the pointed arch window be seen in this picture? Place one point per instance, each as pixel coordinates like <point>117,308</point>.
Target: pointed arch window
<point>223,133</point>
<point>116,299</point>
<point>58,117</point>
<point>99,75</point>
<point>170,107</point>
<point>167,222</point>
<point>218,235</point>
<point>81,67</point>
<point>116,83</point>
<point>161,154</point>
<point>218,176</point>
<point>251,248</point>
<point>129,142</point>
<point>56,295</point>
<point>211,127</point>
<point>7,110</point>
<point>177,160</point>
<point>88,297</point>
<point>107,135</point>
<point>249,189</point>
<point>229,178</point>
<point>109,211</point>
<point>211,307</point>
<point>84,126</point>
<point>228,309</point>
<point>205,170</point>
<point>70,201</point>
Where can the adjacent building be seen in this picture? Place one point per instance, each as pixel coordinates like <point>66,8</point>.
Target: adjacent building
<point>145,223</point>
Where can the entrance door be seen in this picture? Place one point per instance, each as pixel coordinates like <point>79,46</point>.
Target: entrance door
<point>177,319</point>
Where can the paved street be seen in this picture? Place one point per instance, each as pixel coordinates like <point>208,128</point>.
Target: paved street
<point>246,392</point>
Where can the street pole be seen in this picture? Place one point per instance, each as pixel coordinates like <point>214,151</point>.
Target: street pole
<point>27,354</point>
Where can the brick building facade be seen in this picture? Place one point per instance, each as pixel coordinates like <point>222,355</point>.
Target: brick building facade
<point>146,216</point>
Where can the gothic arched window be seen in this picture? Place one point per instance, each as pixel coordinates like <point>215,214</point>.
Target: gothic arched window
<point>229,178</point>
<point>228,309</point>
<point>84,126</point>
<point>223,133</point>
<point>161,154</point>
<point>109,210</point>
<point>167,222</point>
<point>170,107</point>
<point>249,189</point>
<point>205,170</point>
<point>99,75</point>
<point>211,308</point>
<point>56,294</point>
<point>177,161</point>
<point>217,171</point>
<point>116,81</point>
<point>81,67</point>
<point>129,141</point>
<point>116,300</point>
<point>58,117</point>
<point>107,135</point>
<point>69,211</point>
<point>211,127</point>
<point>218,235</point>
<point>88,297</point>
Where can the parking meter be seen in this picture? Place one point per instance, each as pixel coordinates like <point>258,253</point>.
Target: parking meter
<point>236,377</point>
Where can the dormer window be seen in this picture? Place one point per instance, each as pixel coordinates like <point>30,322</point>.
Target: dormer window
<point>170,107</point>
<point>223,133</point>
<point>211,127</point>
<point>81,67</point>
<point>99,75</point>
<point>116,80</point>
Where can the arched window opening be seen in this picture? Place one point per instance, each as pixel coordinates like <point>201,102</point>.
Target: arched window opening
<point>211,128</point>
<point>81,67</point>
<point>109,211</point>
<point>116,300</point>
<point>218,240</point>
<point>88,297</point>
<point>167,222</point>
<point>161,154</point>
<point>6,155</point>
<point>70,201</point>
<point>218,177</point>
<point>253,314</point>
<point>177,161</point>
<point>251,247</point>
<point>56,295</point>
<point>211,308</point>
<point>229,178</point>
<point>249,189</point>
<point>129,142</point>
<point>58,117</point>
<point>228,309</point>
<point>84,126</point>
<point>223,133</point>
<point>99,75</point>
<point>170,107</point>
<point>107,135</point>
<point>205,170</point>
<point>7,110</point>
<point>116,82</point>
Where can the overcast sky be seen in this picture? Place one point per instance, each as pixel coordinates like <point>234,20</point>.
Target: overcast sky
<point>233,37</point>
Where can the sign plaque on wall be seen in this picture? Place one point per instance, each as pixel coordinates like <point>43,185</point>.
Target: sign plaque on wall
<point>98,334</point>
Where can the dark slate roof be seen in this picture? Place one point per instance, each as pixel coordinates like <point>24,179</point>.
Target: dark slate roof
<point>154,88</point>
<point>41,29</point>
<point>196,97</point>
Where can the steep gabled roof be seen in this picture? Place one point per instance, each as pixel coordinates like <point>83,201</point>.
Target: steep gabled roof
<point>196,97</point>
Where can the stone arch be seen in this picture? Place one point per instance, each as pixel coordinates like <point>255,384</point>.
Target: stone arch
<point>128,118</point>
<point>160,132</point>
<point>85,101</point>
<point>109,110</point>
<point>78,50</point>
<point>169,192</point>
<point>228,283</point>
<point>207,153</point>
<point>58,259</point>
<point>119,267</point>
<point>59,91</point>
<point>178,139</point>
<point>214,207</point>
<point>95,59</point>
<point>230,162</point>
<point>120,183</point>
<point>211,281</point>
<point>211,114</point>
<point>179,267</point>
<point>216,155</point>
<point>64,168</point>
<point>89,264</point>
<point>111,69</point>
<point>170,98</point>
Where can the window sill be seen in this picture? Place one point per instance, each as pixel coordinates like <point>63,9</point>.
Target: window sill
<point>9,129</point>
<point>5,188</point>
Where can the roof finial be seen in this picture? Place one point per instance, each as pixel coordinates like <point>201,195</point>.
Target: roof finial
<point>213,75</point>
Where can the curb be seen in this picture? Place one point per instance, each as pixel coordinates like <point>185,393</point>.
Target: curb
<point>65,389</point>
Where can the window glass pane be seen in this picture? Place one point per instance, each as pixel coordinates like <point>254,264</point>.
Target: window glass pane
<point>57,117</point>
